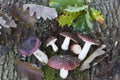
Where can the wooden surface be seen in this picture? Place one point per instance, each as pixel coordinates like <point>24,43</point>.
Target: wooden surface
<point>109,34</point>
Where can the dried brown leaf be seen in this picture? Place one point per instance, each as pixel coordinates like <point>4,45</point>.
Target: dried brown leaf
<point>17,34</point>
<point>96,53</point>
<point>5,23</point>
<point>27,71</point>
<point>41,11</point>
<point>20,15</point>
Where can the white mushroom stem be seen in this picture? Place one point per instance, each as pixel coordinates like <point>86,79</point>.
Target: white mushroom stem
<point>54,47</point>
<point>66,43</point>
<point>84,50</point>
<point>63,73</point>
<point>41,56</point>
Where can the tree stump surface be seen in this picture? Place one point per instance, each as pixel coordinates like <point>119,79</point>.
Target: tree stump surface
<point>109,34</point>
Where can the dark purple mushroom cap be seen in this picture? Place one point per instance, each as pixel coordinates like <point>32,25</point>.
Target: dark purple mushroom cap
<point>51,39</point>
<point>29,46</point>
<point>93,41</point>
<point>63,61</point>
<point>66,34</point>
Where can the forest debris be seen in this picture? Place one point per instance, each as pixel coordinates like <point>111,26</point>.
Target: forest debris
<point>41,11</point>
<point>12,23</point>
<point>7,21</point>
<point>98,52</point>
<point>28,71</point>
<point>4,34</point>
<point>20,15</point>
<point>3,22</point>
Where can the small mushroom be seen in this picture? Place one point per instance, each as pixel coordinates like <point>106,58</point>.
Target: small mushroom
<point>87,45</point>
<point>27,71</point>
<point>75,48</point>
<point>51,41</point>
<point>67,39</point>
<point>31,46</point>
<point>64,63</point>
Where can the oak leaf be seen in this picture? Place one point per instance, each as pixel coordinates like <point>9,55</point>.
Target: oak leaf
<point>27,71</point>
<point>68,18</point>
<point>40,11</point>
<point>20,15</point>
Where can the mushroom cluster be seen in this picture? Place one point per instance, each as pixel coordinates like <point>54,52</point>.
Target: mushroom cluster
<point>62,62</point>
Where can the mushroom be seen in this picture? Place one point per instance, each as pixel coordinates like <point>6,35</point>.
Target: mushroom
<point>31,46</point>
<point>51,41</point>
<point>75,48</point>
<point>87,45</point>
<point>64,63</point>
<point>67,39</point>
<point>27,71</point>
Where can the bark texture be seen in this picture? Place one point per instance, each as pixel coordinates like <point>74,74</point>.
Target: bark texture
<point>108,33</point>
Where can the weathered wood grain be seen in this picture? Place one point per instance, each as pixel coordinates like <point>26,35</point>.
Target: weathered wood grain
<point>109,34</point>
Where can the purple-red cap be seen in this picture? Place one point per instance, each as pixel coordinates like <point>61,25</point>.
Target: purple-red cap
<point>63,61</point>
<point>51,39</point>
<point>94,41</point>
<point>30,46</point>
<point>66,34</point>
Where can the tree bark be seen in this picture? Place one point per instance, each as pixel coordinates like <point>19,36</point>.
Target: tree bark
<point>109,32</point>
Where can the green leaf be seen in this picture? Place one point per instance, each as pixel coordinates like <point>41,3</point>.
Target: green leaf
<point>80,23</point>
<point>88,20</point>
<point>67,18</point>
<point>56,5</point>
<point>64,3</point>
<point>83,22</point>
<point>76,8</point>
<point>96,15</point>
<point>49,73</point>
<point>71,14</point>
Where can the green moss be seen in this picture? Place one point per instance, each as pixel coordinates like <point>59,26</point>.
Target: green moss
<point>49,73</point>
